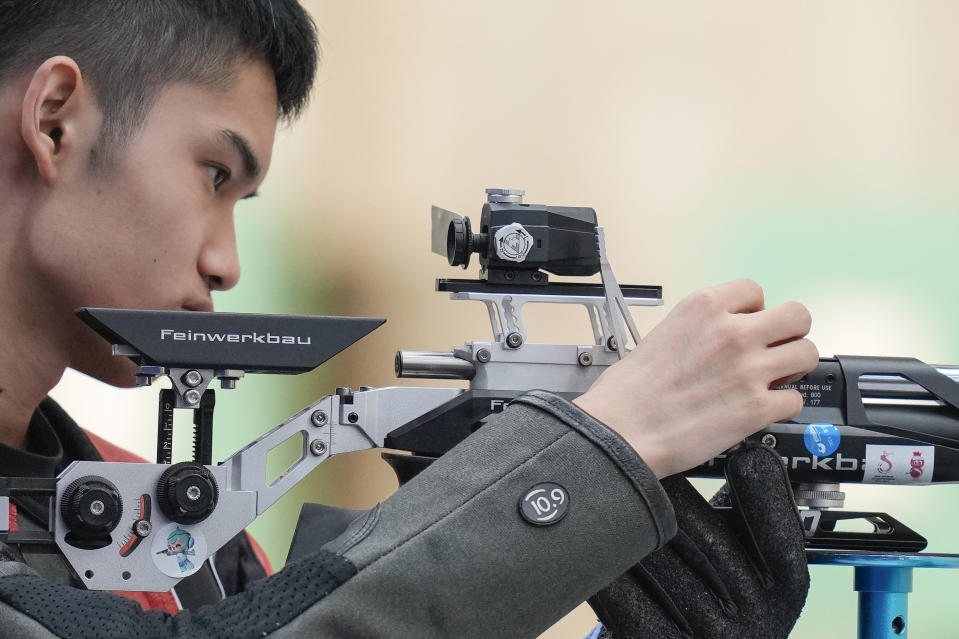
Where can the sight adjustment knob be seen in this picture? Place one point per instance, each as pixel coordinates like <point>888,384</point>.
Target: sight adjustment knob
<point>505,196</point>
<point>91,507</point>
<point>187,493</point>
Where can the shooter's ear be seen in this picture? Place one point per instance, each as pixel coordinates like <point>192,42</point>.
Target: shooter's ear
<point>55,108</point>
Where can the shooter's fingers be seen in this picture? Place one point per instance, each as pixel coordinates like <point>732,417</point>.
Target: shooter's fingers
<point>782,405</point>
<point>738,296</point>
<point>760,491</point>
<point>780,324</point>
<point>789,360</point>
<point>635,602</point>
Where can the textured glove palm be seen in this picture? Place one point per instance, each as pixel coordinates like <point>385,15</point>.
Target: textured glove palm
<point>735,571</point>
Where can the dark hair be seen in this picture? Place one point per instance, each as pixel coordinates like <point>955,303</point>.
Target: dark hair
<point>130,49</point>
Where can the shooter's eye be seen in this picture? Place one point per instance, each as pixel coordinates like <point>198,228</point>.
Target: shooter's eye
<point>218,176</point>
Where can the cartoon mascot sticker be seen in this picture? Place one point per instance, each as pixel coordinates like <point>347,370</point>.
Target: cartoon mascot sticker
<point>916,464</point>
<point>179,544</point>
<point>177,551</point>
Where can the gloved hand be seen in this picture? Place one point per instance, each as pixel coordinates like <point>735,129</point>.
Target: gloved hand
<point>729,572</point>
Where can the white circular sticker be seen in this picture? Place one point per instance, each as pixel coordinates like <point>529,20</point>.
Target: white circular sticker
<point>513,242</point>
<point>178,551</point>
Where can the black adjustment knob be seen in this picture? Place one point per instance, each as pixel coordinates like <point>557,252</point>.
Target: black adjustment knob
<point>91,507</point>
<point>459,242</point>
<point>187,493</point>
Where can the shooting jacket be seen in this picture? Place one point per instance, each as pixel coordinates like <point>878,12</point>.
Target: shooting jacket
<point>465,549</point>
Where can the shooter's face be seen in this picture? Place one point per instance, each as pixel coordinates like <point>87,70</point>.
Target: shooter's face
<point>176,547</point>
<point>155,229</point>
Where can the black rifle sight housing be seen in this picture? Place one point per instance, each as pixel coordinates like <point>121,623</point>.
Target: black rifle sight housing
<point>515,241</point>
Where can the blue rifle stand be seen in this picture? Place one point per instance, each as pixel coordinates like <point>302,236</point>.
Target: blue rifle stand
<point>883,582</point>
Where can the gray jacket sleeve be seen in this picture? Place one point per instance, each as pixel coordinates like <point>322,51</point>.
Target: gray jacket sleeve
<point>450,554</point>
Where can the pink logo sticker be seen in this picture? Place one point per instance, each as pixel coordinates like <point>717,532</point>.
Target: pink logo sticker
<point>916,464</point>
<point>885,465</point>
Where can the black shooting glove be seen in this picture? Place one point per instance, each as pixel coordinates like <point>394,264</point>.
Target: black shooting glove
<point>738,571</point>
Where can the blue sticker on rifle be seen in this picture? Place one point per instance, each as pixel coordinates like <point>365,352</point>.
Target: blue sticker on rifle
<point>821,439</point>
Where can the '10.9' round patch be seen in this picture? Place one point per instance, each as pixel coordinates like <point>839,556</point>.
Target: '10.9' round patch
<point>544,504</point>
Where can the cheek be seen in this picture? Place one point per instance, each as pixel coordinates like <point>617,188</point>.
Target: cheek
<point>144,214</point>
<point>163,226</point>
<point>118,245</point>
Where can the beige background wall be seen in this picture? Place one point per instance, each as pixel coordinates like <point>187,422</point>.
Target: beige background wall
<point>809,145</point>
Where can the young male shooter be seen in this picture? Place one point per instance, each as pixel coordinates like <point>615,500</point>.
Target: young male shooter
<point>130,130</point>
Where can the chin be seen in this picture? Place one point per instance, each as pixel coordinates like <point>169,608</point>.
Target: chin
<point>99,363</point>
<point>124,375</point>
<point>121,373</point>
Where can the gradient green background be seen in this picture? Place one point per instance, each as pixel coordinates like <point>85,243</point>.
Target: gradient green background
<point>808,145</point>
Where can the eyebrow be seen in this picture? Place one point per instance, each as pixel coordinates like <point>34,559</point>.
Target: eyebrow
<point>251,165</point>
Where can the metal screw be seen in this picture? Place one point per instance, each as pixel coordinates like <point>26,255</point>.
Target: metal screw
<point>192,396</point>
<point>483,355</point>
<point>193,493</point>
<point>142,528</point>
<point>510,276</point>
<point>353,418</point>
<point>317,447</point>
<point>585,359</point>
<point>536,276</point>
<point>611,344</point>
<point>319,418</point>
<point>192,378</point>
<point>514,340</point>
<point>97,507</point>
<point>769,440</point>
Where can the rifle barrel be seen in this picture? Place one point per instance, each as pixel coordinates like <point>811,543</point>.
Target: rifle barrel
<point>893,387</point>
<point>432,365</point>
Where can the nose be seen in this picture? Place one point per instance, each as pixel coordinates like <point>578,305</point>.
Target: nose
<point>219,260</point>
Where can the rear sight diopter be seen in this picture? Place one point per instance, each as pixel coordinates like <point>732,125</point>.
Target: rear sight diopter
<point>517,241</point>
